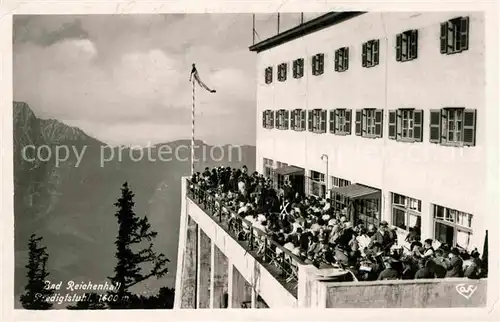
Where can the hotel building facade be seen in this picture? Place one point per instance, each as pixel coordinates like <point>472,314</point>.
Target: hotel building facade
<point>386,110</point>
<point>385,114</point>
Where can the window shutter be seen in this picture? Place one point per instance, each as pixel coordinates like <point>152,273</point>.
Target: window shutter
<point>337,54</point>
<point>314,64</point>
<point>392,125</point>
<point>346,58</point>
<point>444,124</point>
<point>272,118</point>
<point>435,126</point>
<point>358,129</point>
<point>379,115</point>
<point>444,38</point>
<point>287,118</point>
<point>294,69</point>
<point>310,120</point>
<point>414,44</point>
<point>336,129</point>
<point>323,121</point>
<point>303,120</point>
<point>300,69</point>
<point>399,41</point>
<point>376,44</point>
<point>469,130</point>
<point>348,121</point>
<point>321,63</point>
<point>418,121</point>
<point>332,121</point>
<point>363,122</point>
<point>399,127</point>
<point>464,33</point>
<point>363,55</point>
<point>292,119</point>
<point>264,113</point>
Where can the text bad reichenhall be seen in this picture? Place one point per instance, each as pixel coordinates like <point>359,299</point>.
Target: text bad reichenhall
<point>85,286</point>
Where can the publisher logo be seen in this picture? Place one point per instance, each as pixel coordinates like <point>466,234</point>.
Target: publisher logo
<point>466,290</point>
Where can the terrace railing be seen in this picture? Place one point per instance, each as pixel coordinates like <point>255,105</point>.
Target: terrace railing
<point>280,262</point>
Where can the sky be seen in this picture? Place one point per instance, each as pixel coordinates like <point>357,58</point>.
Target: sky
<point>124,79</point>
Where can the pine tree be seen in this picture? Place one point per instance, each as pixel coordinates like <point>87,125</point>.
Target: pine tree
<point>134,234</point>
<point>35,293</point>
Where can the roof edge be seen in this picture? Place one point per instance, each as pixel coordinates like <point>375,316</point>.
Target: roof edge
<point>321,22</point>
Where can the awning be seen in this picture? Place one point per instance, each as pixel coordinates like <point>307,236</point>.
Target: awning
<point>357,191</point>
<point>289,170</point>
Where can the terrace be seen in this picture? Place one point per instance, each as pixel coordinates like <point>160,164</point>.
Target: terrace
<point>301,279</point>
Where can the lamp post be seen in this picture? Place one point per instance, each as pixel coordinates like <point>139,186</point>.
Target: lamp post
<point>324,157</point>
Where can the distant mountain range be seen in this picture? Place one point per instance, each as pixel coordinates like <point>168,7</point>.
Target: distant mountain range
<point>70,204</point>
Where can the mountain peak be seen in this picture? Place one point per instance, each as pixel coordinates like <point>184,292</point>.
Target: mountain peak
<point>48,130</point>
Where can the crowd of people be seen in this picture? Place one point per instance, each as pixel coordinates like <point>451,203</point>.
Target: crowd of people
<point>311,229</point>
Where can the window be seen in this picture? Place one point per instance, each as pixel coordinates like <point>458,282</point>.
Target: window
<point>268,167</point>
<point>342,59</point>
<point>317,184</point>
<point>406,125</point>
<point>407,45</point>
<point>282,68</point>
<point>317,121</point>
<point>340,121</point>
<point>268,119</point>
<point>370,53</point>
<point>453,126</point>
<point>282,119</point>
<point>318,64</point>
<point>452,227</point>
<point>406,212</point>
<point>298,120</point>
<point>298,68</point>
<point>269,75</point>
<point>368,211</point>
<point>338,200</point>
<point>455,35</point>
<point>280,179</point>
<point>369,123</point>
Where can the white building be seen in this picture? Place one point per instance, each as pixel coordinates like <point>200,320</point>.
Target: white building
<point>396,101</point>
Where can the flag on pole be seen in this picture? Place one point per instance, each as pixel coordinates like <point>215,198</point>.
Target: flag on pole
<point>196,76</point>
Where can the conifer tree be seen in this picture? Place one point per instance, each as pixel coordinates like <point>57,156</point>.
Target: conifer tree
<point>134,245</point>
<point>35,293</point>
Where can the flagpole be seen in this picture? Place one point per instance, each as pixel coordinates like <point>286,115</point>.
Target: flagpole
<point>192,128</point>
